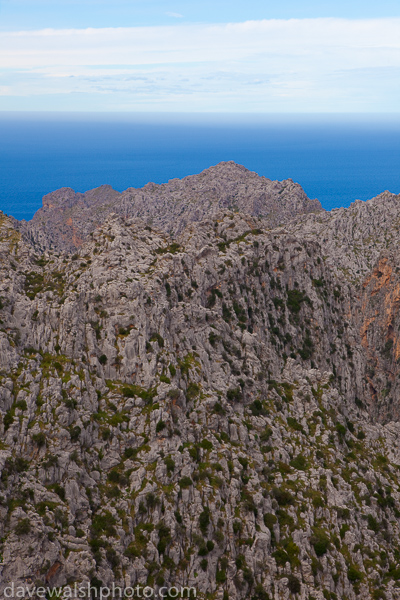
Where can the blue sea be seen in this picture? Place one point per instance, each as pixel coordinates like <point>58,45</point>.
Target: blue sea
<point>335,158</point>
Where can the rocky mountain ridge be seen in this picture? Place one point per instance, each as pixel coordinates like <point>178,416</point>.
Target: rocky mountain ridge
<point>67,218</point>
<point>216,409</point>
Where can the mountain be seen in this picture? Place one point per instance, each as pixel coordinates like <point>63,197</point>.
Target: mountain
<point>66,218</point>
<point>216,409</point>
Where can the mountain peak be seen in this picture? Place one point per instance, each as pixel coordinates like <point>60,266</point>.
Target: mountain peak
<point>67,218</point>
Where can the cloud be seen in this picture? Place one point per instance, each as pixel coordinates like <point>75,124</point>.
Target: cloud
<point>297,64</point>
<point>174,15</point>
<point>298,41</point>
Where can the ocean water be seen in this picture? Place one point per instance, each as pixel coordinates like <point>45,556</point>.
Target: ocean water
<point>335,158</point>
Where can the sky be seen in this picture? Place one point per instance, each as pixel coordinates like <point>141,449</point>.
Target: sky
<point>253,56</point>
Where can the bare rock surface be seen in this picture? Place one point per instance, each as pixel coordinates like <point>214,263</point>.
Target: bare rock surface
<point>216,409</point>
<point>66,218</point>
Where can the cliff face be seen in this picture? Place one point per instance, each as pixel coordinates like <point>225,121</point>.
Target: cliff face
<point>66,219</point>
<point>218,409</point>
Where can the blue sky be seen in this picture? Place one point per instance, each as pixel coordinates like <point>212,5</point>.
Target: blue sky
<point>31,14</point>
<point>210,56</point>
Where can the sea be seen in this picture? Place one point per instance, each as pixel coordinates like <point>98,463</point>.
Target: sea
<point>336,158</point>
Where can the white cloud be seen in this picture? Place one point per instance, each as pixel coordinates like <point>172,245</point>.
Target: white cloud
<point>307,64</point>
<point>311,41</point>
<point>174,15</point>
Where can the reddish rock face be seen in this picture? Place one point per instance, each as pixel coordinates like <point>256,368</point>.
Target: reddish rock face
<point>379,329</point>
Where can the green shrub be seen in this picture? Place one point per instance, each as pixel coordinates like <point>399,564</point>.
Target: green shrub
<point>169,463</point>
<point>226,313</point>
<point>294,584</point>
<point>174,394</point>
<point>112,557</point>
<point>203,550</point>
<point>193,390</point>
<point>343,513</point>
<point>39,438</point>
<point>281,557</point>
<point>74,433</point>
<point>343,530</point>
<point>206,445</point>
<point>204,519</point>
<point>257,408</point>
<point>20,464</point>
<point>234,395</point>
<point>220,576</point>
<point>211,299</point>
<point>172,248</point>
<point>278,302</point>
<point>185,482</point>
<point>341,429</point>
<point>294,424</point>
<point>283,497</point>
<point>34,283</point>
<point>8,419</point>
<point>130,452</point>
<point>134,550</point>
<point>353,574</point>
<point>299,463</point>
<point>260,593</point>
<point>243,461</point>
<point>308,347</point>
<point>103,359</point>
<point>240,561</point>
<point>295,298</point>
<point>131,391</point>
<point>284,518</point>
<point>237,526</point>
<point>373,524</point>
<point>213,338</point>
<point>164,537</point>
<point>104,524</point>
<point>156,337</point>
<point>204,564</point>
<point>320,542</point>
<point>151,500</point>
<point>23,527</point>
<point>319,283</point>
<point>160,426</point>
<point>71,403</point>
<point>269,520</point>
<point>266,434</point>
<point>59,490</point>
<point>128,392</point>
<point>114,476</point>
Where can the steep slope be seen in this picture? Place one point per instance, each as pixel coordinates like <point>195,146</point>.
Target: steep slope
<point>192,411</point>
<point>360,245</point>
<point>67,218</point>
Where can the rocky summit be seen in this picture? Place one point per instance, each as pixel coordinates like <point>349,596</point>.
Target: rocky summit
<point>199,387</point>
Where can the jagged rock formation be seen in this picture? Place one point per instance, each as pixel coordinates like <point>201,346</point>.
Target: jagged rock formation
<point>67,218</point>
<point>218,409</point>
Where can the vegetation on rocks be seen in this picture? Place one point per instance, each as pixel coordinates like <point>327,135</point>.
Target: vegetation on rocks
<point>219,410</point>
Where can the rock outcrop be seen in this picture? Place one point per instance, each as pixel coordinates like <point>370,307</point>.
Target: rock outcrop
<point>67,218</point>
<point>217,409</point>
